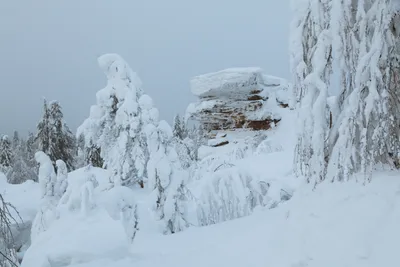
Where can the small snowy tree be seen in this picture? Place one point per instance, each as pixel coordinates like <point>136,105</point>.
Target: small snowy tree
<point>47,211</point>
<point>179,128</point>
<point>62,179</point>
<point>6,156</point>
<point>21,170</point>
<point>31,148</point>
<point>62,141</point>
<point>42,137</point>
<point>54,137</point>
<point>90,130</point>
<point>47,176</point>
<point>93,155</point>
<point>16,142</point>
<point>165,178</point>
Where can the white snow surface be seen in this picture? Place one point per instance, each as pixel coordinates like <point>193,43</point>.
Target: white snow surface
<point>234,81</point>
<point>335,224</point>
<point>24,197</point>
<point>339,224</point>
<point>206,83</point>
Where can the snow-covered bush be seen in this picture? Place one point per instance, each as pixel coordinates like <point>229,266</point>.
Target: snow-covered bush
<point>229,194</point>
<point>166,178</point>
<point>6,156</point>
<point>120,204</point>
<point>47,210</point>
<point>47,176</point>
<point>62,179</point>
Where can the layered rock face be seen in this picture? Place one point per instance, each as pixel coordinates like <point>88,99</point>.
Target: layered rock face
<point>241,98</point>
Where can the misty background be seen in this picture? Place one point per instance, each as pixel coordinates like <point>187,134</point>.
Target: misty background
<point>50,48</point>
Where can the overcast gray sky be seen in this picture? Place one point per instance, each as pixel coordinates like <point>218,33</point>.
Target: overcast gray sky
<point>49,49</point>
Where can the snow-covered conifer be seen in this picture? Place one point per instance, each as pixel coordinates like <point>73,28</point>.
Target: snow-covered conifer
<point>311,63</point>
<point>47,176</point>
<point>47,211</point>
<point>62,143</point>
<point>62,179</point>
<point>42,137</point>
<point>16,142</point>
<point>363,131</point>
<point>165,177</point>
<point>6,156</point>
<point>178,128</point>
<point>114,125</point>
<point>53,135</point>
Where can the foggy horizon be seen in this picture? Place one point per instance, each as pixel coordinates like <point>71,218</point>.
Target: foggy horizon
<point>50,50</point>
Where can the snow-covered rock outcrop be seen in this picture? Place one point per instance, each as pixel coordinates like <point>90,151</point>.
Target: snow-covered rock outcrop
<point>238,98</point>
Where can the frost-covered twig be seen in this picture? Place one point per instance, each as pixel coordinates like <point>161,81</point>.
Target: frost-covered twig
<point>6,237</point>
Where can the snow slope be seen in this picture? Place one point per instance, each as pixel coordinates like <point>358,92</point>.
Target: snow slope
<point>340,224</point>
<point>18,195</point>
<point>333,225</point>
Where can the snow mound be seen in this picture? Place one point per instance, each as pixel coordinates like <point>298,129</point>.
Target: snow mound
<point>225,80</point>
<point>77,239</point>
<point>92,221</point>
<point>18,194</point>
<point>341,224</point>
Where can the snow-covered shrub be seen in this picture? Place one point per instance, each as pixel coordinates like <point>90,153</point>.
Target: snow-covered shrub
<point>6,156</point>
<point>47,176</point>
<point>229,194</point>
<point>47,210</point>
<point>268,146</point>
<point>166,178</point>
<point>62,179</point>
<point>120,204</point>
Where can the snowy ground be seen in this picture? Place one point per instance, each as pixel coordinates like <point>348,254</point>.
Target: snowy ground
<point>336,225</point>
<point>25,197</point>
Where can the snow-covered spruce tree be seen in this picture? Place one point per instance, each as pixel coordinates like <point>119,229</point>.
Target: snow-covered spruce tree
<point>16,141</point>
<point>392,78</point>
<point>90,130</point>
<point>42,138</point>
<point>183,144</point>
<point>54,137</point>
<point>166,178</point>
<point>365,131</point>
<point>368,133</point>
<point>6,156</point>
<point>62,142</point>
<point>93,155</point>
<point>116,122</point>
<point>311,64</point>
<point>179,128</point>
<point>21,170</point>
<point>80,160</point>
<point>31,148</point>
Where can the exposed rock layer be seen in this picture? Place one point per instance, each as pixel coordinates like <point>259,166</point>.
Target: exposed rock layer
<point>238,98</point>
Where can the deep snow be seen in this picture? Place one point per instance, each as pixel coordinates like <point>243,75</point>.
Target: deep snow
<point>338,224</point>
<point>333,225</point>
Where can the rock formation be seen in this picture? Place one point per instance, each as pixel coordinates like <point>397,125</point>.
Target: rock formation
<point>237,98</point>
